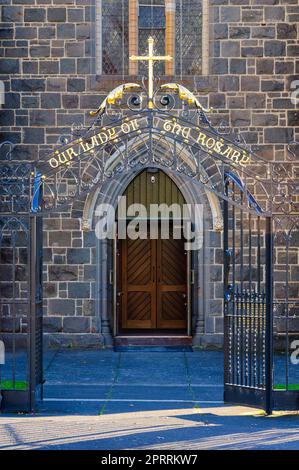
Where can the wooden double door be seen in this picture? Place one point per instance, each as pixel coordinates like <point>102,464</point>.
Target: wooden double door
<point>153,275</point>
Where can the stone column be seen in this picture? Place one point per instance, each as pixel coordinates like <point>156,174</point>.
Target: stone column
<point>170,36</point>
<point>133,35</point>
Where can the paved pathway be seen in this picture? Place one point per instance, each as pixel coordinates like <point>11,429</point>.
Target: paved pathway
<point>136,400</point>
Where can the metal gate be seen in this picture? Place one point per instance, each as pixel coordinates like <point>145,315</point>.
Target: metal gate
<point>170,131</point>
<point>248,347</point>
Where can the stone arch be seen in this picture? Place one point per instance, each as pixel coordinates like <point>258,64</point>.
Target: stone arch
<point>192,193</point>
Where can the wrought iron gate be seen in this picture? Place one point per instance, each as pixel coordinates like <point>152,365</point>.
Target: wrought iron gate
<point>247,300</point>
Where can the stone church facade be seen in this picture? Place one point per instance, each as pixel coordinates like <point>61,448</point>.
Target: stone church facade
<point>55,71</point>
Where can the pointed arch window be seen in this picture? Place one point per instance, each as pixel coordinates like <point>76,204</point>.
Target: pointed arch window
<point>123,27</point>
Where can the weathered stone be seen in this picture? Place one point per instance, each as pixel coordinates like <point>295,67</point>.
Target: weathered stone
<point>61,307</point>
<point>63,273</point>
<point>293,118</point>
<point>286,31</point>
<point>240,118</point>
<point>219,66</point>
<point>255,101</point>
<point>237,66</point>
<point>35,15</point>
<point>272,85</point>
<point>220,31</point>
<point>9,66</point>
<point>250,83</point>
<point>56,15</point>
<point>34,135</point>
<point>263,120</point>
<point>7,117</point>
<point>264,66</point>
<point>230,14</point>
<point>284,68</point>
<point>252,16</point>
<point>67,66</point>
<point>83,31</point>
<point>60,238</point>
<point>293,50</point>
<point>230,49</point>
<point>278,135</point>
<point>46,32</point>
<point>30,67</point>
<point>74,49</point>
<point>52,324</point>
<point>252,51</point>
<point>239,32</point>
<point>78,255</point>
<point>263,32</point>
<point>229,83</point>
<point>70,101</point>
<point>76,325</point>
<point>75,84</point>
<point>11,14</point>
<point>66,31</point>
<point>40,51</point>
<point>48,67</point>
<point>40,117</point>
<point>274,13</point>
<point>275,48</point>
<point>79,290</point>
<point>28,84</point>
<point>50,100</point>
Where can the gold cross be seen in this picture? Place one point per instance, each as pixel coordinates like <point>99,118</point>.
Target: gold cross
<point>150,58</point>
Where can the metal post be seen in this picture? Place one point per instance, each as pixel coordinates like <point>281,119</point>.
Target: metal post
<point>32,313</point>
<point>269,318</point>
<point>225,285</point>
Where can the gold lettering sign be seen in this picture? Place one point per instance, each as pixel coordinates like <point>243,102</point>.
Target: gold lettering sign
<point>212,144</point>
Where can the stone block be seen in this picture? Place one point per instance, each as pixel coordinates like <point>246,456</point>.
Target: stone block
<point>40,51</point>
<point>230,14</point>
<point>78,255</point>
<point>28,84</point>
<point>219,66</point>
<point>33,135</point>
<point>76,84</point>
<point>60,238</point>
<point>275,48</point>
<point>239,32</point>
<point>79,290</point>
<point>66,31</point>
<point>48,67</point>
<point>263,120</point>
<point>230,49</point>
<point>61,307</point>
<point>63,273</point>
<point>34,15</point>
<point>252,16</point>
<point>11,14</point>
<point>56,15</point>
<point>52,324</point>
<point>76,325</point>
<point>240,118</point>
<point>274,14</point>
<point>249,83</point>
<point>286,31</point>
<point>74,49</point>
<point>255,101</point>
<point>41,117</point>
<point>67,66</point>
<point>9,66</point>
<point>220,31</point>
<point>264,66</point>
<point>237,66</point>
<point>293,118</point>
<point>278,135</point>
<point>51,100</point>
<point>70,101</point>
<point>263,32</point>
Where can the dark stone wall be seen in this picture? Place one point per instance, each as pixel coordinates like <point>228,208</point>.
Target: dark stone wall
<point>47,64</point>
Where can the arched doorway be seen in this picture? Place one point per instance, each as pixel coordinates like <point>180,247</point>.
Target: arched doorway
<point>153,295</point>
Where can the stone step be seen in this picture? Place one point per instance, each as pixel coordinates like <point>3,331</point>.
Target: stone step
<point>153,343</point>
